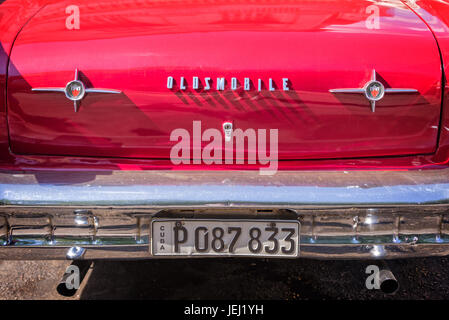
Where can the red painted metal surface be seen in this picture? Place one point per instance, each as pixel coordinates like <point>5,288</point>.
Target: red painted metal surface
<point>134,46</point>
<point>436,16</point>
<point>13,15</point>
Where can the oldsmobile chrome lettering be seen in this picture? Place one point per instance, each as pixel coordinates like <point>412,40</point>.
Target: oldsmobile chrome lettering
<point>221,84</point>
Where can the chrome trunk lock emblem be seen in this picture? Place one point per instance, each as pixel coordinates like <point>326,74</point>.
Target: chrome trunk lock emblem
<point>227,128</point>
<point>374,90</point>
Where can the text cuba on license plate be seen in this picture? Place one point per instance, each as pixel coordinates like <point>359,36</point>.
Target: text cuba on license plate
<point>196,237</point>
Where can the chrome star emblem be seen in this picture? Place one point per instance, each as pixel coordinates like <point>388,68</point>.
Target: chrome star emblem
<point>75,90</point>
<point>373,90</point>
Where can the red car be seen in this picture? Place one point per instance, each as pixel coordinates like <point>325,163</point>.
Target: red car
<point>146,129</point>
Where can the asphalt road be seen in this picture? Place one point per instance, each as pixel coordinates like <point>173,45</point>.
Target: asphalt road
<point>225,279</point>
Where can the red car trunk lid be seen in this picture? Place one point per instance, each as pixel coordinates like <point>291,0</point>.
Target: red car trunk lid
<point>134,48</point>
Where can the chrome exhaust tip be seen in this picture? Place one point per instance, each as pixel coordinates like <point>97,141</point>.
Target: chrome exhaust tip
<point>388,282</point>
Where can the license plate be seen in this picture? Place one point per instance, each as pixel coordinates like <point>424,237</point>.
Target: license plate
<point>264,238</point>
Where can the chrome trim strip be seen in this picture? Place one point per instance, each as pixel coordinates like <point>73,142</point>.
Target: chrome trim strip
<point>49,89</point>
<point>373,106</point>
<point>98,90</point>
<point>391,90</point>
<point>355,90</point>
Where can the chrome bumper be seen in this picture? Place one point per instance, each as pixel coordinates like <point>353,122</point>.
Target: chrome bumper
<point>343,215</point>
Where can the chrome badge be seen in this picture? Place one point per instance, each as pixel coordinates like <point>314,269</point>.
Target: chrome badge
<point>374,90</point>
<point>75,90</point>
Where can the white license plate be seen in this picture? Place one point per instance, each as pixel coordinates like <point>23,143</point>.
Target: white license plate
<point>264,238</point>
